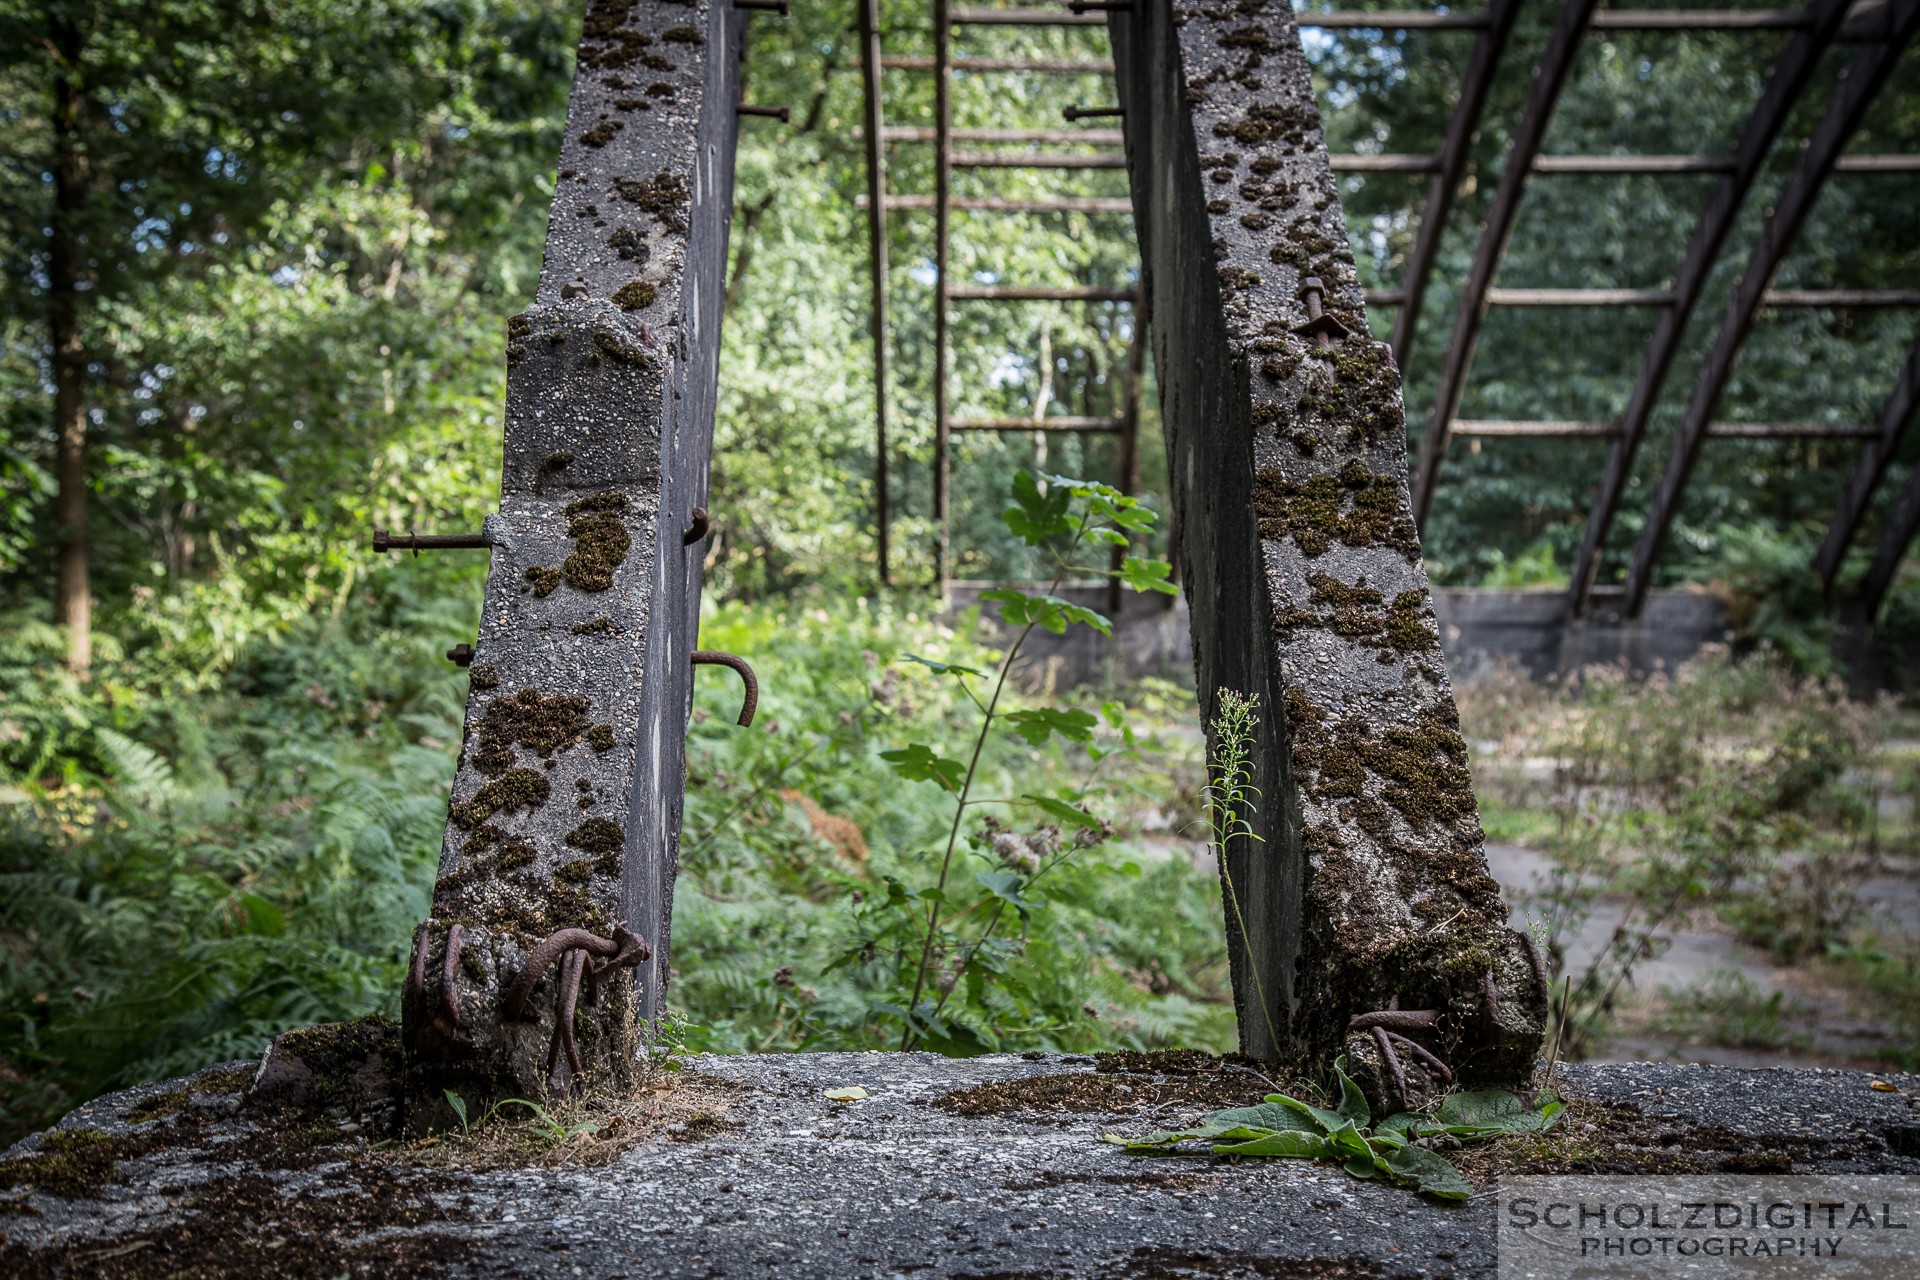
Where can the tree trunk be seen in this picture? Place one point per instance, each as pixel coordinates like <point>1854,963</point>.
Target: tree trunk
<point>72,607</point>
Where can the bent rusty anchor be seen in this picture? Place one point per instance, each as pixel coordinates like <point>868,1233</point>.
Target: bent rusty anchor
<point>572,947</point>
<point>706,657</point>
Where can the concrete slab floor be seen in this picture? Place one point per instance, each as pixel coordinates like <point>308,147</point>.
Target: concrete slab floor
<point>901,1183</point>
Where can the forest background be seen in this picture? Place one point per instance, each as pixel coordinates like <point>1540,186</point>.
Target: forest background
<point>293,232</point>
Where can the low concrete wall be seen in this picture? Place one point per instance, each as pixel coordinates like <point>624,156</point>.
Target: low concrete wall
<point>1482,628</point>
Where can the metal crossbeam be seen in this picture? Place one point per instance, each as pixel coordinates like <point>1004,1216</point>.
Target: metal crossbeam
<point>1476,82</point>
<point>875,132</point>
<point>1902,525</point>
<point>1042,66</point>
<point>1862,82</point>
<point>1579,298</point>
<point>1394,20</point>
<point>1788,79</point>
<point>1020,18</point>
<point>1841,298</point>
<point>1001,204</point>
<point>1549,78</point>
<point>1032,160</point>
<point>1889,431</point>
<point>1501,428</point>
<point>1633,164</point>
<point>1356,162</point>
<point>1091,137</point>
<point>1036,293</point>
<point>1078,425</point>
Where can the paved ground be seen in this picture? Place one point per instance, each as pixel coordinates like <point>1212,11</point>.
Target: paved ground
<point>903,1183</point>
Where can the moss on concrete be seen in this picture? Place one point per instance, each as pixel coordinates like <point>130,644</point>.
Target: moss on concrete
<point>1355,506</point>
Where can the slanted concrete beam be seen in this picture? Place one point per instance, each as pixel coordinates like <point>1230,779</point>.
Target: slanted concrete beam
<point>1288,464</point>
<point>565,812</point>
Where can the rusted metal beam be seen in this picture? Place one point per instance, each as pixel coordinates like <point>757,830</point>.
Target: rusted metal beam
<point>1037,293</point>
<point>1787,80</point>
<point>1632,164</point>
<point>1902,525</point>
<point>998,204</point>
<point>875,131</point>
<point>1038,160</point>
<point>1020,18</point>
<point>1041,66</point>
<point>1358,162</point>
<point>1878,164</point>
<point>1841,298</point>
<point>1579,298</point>
<point>942,229</point>
<point>1888,431</point>
<point>1475,83</point>
<point>1128,480</point>
<point>1700,20</point>
<point>1498,428</point>
<point>1395,20</point>
<point>1860,84</point>
<point>1091,137</point>
<point>1081,425</point>
<point>1549,78</point>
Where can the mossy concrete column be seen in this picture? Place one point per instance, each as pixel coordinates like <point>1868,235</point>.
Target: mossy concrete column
<point>1286,439</point>
<point>565,812</point>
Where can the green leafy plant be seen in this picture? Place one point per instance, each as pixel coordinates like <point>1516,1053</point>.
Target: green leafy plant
<point>1230,799</point>
<point>1390,1150</point>
<point>1063,518</point>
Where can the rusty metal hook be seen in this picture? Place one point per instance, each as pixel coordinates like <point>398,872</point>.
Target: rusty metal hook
<point>699,530</point>
<point>706,657</point>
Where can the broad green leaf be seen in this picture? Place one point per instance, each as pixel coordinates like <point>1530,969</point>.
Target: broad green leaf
<point>1361,1166</point>
<point>1346,1140</point>
<point>918,764</point>
<point>1268,1115</point>
<point>1486,1113</point>
<point>943,668</point>
<point>1293,1143</point>
<point>1141,574</point>
<point>1035,516</point>
<point>1005,885</point>
<point>1065,812</point>
<point>1353,1103</point>
<point>1038,725</point>
<point>1430,1174</point>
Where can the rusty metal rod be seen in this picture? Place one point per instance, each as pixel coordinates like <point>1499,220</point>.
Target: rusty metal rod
<point>514,1003</point>
<point>782,114</point>
<point>449,970</point>
<point>418,542</point>
<point>1395,1020</point>
<point>709,657</point>
<point>1093,113</point>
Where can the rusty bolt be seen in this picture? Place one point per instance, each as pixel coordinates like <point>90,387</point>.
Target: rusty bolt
<point>461,655</point>
<point>1320,326</point>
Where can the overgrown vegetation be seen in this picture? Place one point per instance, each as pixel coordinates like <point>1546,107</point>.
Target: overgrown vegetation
<point>1731,796</point>
<point>1402,1149</point>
